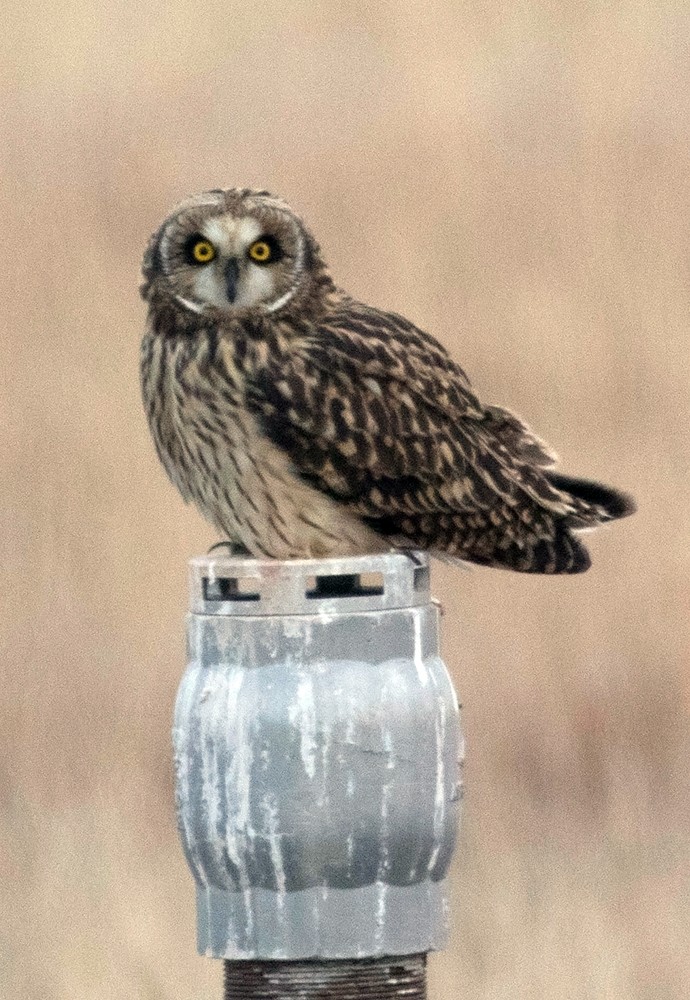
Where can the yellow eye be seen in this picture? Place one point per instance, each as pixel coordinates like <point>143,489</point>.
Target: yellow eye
<point>260,252</point>
<point>203,251</point>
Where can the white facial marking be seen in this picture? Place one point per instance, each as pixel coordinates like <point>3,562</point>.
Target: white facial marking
<point>248,230</point>
<point>209,286</point>
<point>256,284</point>
<point>196,307</point>
<point>231,237</point>
<point>279,303</point>
<point>217,233</point>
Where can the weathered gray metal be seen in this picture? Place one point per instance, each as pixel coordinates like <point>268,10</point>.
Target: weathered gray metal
<point>317,754</point>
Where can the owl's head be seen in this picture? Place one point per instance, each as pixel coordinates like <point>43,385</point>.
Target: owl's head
<point>233,251</point>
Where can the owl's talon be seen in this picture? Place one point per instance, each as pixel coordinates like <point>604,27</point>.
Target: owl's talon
<point>236,549</point>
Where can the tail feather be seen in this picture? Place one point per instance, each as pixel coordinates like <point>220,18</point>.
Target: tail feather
<point>558,555</point>
<point>597,503</point>
<point>512,547</point>
<point>528,538</point>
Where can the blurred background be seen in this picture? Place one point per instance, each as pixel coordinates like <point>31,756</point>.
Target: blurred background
<point>515,179</point>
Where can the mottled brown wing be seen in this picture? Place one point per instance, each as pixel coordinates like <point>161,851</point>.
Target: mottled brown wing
<point>376,413</point>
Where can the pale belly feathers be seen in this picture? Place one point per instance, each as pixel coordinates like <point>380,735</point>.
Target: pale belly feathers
<point>240,481</point>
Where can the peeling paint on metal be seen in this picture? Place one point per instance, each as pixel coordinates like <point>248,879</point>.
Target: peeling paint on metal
<point>303,716</point>
<point>316,758</point>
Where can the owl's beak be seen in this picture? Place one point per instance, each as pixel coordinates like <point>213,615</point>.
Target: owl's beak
<point>232,274</point>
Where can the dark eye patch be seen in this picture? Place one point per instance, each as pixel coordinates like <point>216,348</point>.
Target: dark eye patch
<point>277,252</point>
<point>190,243</point>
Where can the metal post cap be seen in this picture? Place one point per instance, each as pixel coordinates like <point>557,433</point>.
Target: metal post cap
<point>227,585</point>
<point>317,753</point>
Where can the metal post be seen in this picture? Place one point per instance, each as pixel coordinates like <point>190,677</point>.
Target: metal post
<point>317,759</point>
<point>347,979</point>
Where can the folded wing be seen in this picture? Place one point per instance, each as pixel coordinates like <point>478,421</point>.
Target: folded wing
<point>376,414</point>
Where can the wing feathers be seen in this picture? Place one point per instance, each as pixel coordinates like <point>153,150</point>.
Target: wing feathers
<point>375,413</point>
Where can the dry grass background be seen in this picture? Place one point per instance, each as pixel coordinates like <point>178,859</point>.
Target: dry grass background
<point>515,178</point>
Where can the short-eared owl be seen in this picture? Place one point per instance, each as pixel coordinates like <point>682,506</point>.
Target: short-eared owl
<point>304,423</point>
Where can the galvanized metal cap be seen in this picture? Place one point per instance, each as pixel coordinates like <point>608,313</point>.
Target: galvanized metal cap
<point>223,584</point>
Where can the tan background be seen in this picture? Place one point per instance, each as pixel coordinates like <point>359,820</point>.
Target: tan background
<point>514,177</point>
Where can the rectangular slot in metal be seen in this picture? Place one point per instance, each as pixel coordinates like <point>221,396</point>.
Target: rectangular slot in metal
<point>347,585</point>
<point>237,588</point>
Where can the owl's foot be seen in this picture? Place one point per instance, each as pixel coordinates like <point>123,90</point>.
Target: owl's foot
<point>234,549</point>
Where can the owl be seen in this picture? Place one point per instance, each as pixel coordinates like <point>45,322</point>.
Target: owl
<point>305,424</point>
